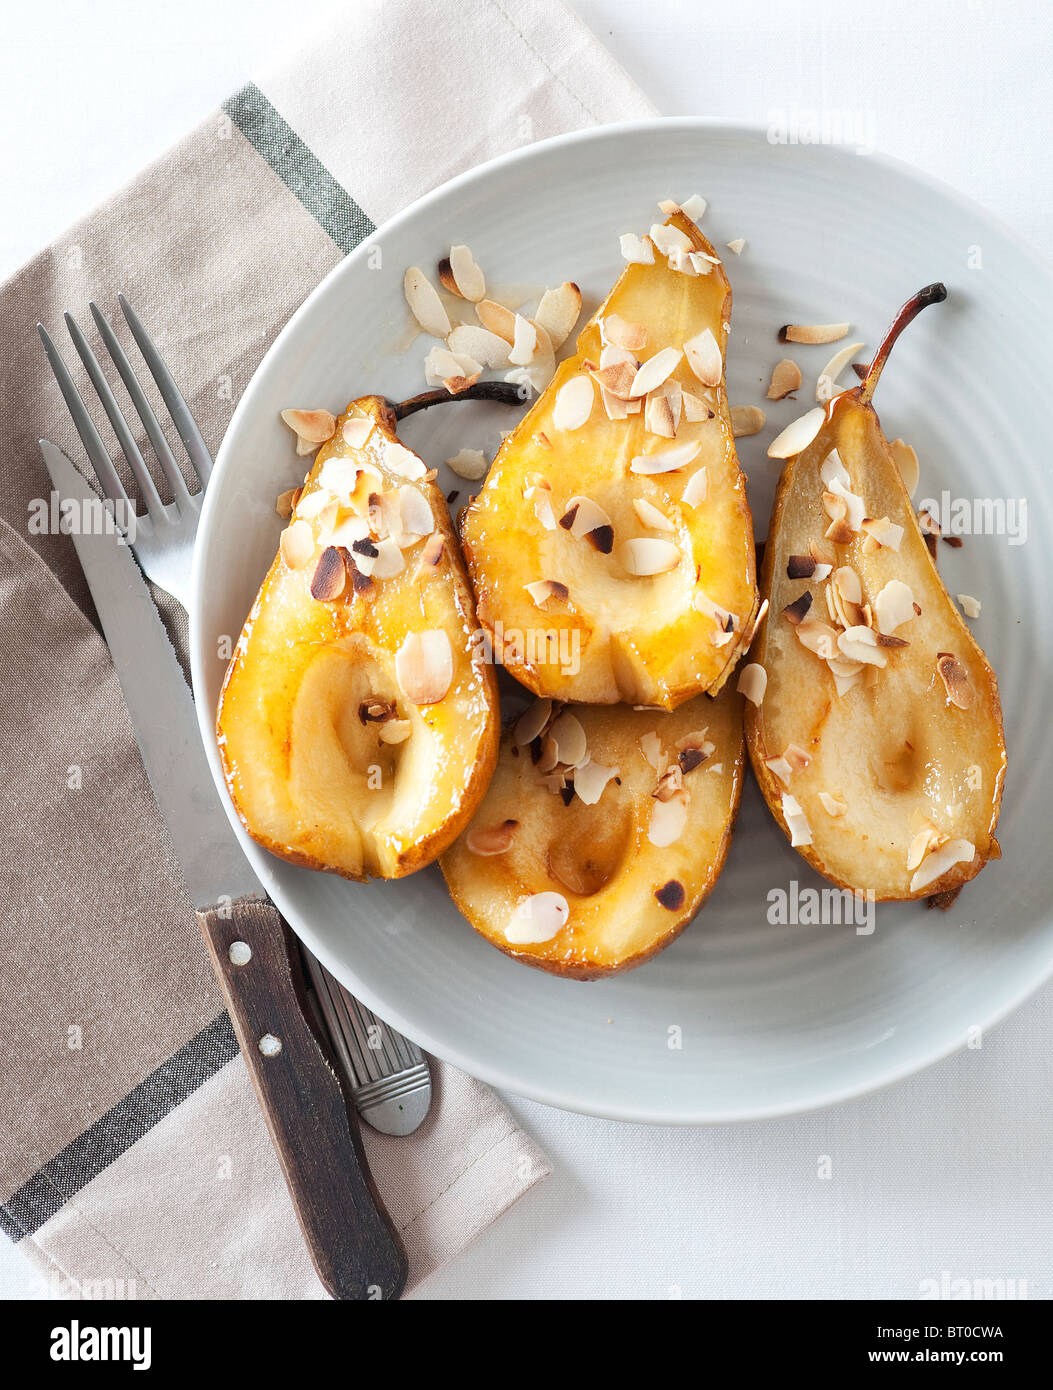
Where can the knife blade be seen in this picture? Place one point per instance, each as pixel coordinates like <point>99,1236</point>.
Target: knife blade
<point>255,954</point>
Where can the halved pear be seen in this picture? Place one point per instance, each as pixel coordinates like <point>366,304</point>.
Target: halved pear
<point>878,742</point>
<point>356,730</point>
<point>611,548</point>
<point>602,832</point>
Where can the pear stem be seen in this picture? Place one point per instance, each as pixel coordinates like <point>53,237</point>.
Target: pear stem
<point>931,294</point>
<point>504,392</point>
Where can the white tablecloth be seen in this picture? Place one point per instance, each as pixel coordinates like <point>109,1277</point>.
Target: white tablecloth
<point>946,1174</point>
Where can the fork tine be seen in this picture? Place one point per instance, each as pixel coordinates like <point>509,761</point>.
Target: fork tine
<point>145,411</point>
<point>171,395</point>
<point>109,403</point>
<point>96,450</point>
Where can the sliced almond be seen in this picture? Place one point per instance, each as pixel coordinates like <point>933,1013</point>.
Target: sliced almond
<point>297,544</point>
<point>537,919</point>
<point>442,365</point>
<point>395,731</point>
<point>357,429</point>
<point>497,319</point>
<point>927,838</point>
<point>669,240</point>
<point>330,575</point>
<point>541,590</point>
<point>797,611</point>
<point>666,460</point>
<point>827,386</point>
<point>574,403</point>
<point>695,409</point>
<point>883,531</point>
<point>532,722</point>
<point>818,637</point>
<point>558,312</point>
<point>813,332</point>
<point>779,768</point>
<point>650,515</point>
<point>311,427</point>
<point>893,606</point>
<point>569,736</point>
<point>654,371</point>
<point>796,821</point>
<point>524,344</point>
<point>704,357</point>
<point>585,518</point>
<point>636,250</point>
<point>737,246</point>
<point>591,780</point>
<point>697,488</point>
<point>469,280</point>
<point>747,420</point>
<point>469,463</point>
<point>668,819</point>
<point>970,606</point>
<point>388,561</point>
<point>402,461</point>
<point>955,680</point>
<point>752,682</point>
<point>832,805</point>
<point>937,864</point>
<point>785,377</point>
<point>616,379</point>
<point>434,549</point>
<point>479,344</point>
<point>797,435</point>
<point>907,462</point>
<point>621,333</point>
<point>287,501</point>
<point>415,512</point>
<point>658,415</point>
<point>491,839</point>
<point>647,555</point>
<point>424,666</point>
<point>861,644</point>
<point>424,302</point>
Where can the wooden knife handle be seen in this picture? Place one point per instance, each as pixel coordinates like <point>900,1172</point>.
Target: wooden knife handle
<point>351,1241</point>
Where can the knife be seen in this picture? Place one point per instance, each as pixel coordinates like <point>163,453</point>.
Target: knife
<point>352,1243</point>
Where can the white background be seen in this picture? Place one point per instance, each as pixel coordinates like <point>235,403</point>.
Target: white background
<point>948,1172</point>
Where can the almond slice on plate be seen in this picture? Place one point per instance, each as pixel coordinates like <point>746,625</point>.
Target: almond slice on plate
<point>479,343</point>
<point>813,332</point>
<point>785,377</point>
<point>469,280</point>
<point>424,302</point>
<point>524,344</point>
<point>558,312</point>
<point>747,420</point>
<point>497,319</point>
<point>311,427</point>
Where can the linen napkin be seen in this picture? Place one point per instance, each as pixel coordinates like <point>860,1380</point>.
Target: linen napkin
<point>134,1162</point>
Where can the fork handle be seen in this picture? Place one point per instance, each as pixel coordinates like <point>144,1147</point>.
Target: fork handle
<point>350,1239</point>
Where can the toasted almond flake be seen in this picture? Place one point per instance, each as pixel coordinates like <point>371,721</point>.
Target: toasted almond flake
<point>752,682</point>
<point>695,409</point>
<point>434,549</point>
<point>532,721</point>
<point>658,415</point>
<point>479,344</point>
<point>297,544</point>
<point>388,562</point>
<point>843,684</point>
<point>357,429</point>
<point>906,461</point>
<point>311,427</point>
<point>669,240</point>
<point>583,516</point>
<point>779,768</point>
<point>737,246</point>
<point>652,373</point>
<point>650,516</point>
<point>839,532</point>
<point>542,366</point>
<point>797,435</point>
<point>469,463</point>
<point>927,838</point>
<point>854,504</point>
<point>785,377</point>
<point>537,919</point>
<point>884,531</point>
<point>424,302</point>
<point>541,590</point>
<point>970,606</point>
<point>704,357</point>
<point>758,618</point>
<point>693,208</point>
<point>668,206</point>
<point>424,666</point>
<point>848,584</point>
<point>797,611</point>
<point>636,250</point>
<point>330,575</point>
<point>415,512</point>
<point>558,312</point>
<point>832,805</point>
<point>651,747</point>
<point>834,471</point>
<point>442,365</point>
<point>402,461</point>
<point>818,637</point>
<point>574,403</point>
<point>395,731</point>
<point>813,332</point>
<point>747,420</point>
<point>861,644</point>
<point>616,408</point>
<point>893,606</point>
<point>648,555</point>
<point>955,680</point>
<point>591,779</point>
<point>937,864</point>
<point>495,318</point>
<point>468,278</point>
<point>666,460</point>
<point>570,739</point>
<point>669,783</point>
<point>491,839</point>
<point>796,821</point>
<point>621,333</point>
<point>696,488</point>
<point>287,501</point>
<point>616,379</point>
<point>668,819</point>
<point>524,344</point>
<point>827,385</point>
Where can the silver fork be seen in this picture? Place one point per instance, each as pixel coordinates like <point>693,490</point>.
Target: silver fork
<point>390,1076</point>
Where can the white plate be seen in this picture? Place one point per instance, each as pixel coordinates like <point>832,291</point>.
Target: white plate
<point>771,1019</point>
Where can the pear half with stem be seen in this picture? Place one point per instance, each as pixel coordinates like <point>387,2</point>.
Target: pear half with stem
<point>878,741</point>
<point>602,832</point>
<point>611,548</point>
<point>357,728</point>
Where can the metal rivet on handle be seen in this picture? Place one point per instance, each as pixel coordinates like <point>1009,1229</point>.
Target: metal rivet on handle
<point>269,1045</point>
<point>240,953</point>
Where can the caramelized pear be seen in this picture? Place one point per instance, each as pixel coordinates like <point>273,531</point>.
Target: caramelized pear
<point>878,741</point>
<point>357,730</point>
<point>611,548</point>
<point>602,832</point>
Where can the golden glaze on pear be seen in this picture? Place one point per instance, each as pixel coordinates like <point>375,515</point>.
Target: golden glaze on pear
<point>638,639</point>
<point>311,778</point>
